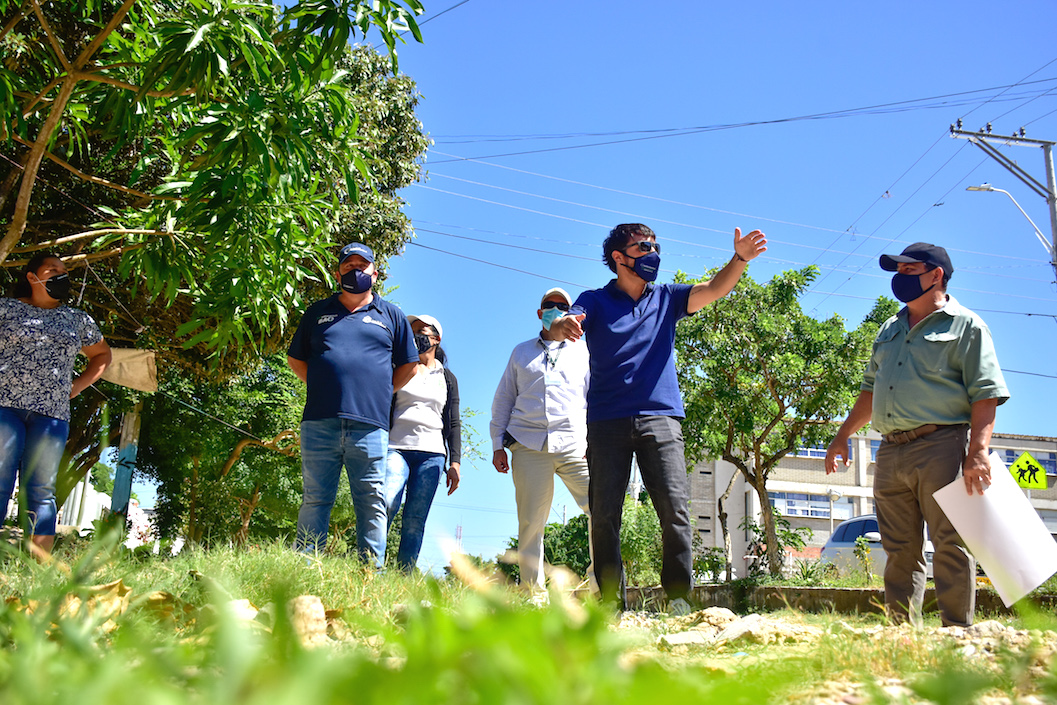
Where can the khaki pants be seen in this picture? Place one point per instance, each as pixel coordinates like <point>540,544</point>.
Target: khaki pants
<point>533,473</point>
<point>905,479</point>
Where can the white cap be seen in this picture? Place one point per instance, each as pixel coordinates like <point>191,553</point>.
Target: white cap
<point>429,321</point>
<point>560,292</point>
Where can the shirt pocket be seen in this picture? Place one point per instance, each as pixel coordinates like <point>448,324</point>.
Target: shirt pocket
<point>935,351</point>
<point>886,346</point>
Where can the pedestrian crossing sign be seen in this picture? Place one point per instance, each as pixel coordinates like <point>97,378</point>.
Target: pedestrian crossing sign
<point>1028,473</point>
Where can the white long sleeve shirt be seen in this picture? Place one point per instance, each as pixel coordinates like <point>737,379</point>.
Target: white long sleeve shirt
<point>542,397</point>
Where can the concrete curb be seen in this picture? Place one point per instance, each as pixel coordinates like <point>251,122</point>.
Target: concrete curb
<point>742,598</point>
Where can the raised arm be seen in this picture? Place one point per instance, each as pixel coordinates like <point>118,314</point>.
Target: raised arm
<point>746,248</point>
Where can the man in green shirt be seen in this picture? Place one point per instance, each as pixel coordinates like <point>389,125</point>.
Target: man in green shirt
<point>931,390</point>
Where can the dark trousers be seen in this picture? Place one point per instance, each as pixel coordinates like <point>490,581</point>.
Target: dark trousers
<point>657,444</point>
<point>904,481</point>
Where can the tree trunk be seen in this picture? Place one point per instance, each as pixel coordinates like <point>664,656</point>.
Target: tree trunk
<point>192,509</point>
<point>721,506</point>
<point>775,559</point>
<point>246,510</point>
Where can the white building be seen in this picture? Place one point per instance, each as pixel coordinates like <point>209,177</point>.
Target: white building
<point>806,496</point>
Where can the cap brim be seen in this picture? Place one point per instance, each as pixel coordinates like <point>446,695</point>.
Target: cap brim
<point>890,263</point>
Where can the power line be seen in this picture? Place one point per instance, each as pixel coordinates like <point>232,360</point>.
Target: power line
<point>881,108</point>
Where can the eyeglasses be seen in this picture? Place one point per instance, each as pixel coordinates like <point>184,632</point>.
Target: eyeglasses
<point>646,246</point>
<point>555,304</point>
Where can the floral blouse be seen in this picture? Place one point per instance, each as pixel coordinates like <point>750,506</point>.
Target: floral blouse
<point>37,350</point>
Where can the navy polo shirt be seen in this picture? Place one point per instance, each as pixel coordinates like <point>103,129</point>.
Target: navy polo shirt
<point>351,356</point>
<point>632,345</point>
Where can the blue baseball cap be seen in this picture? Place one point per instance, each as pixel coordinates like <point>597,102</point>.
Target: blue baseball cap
<point>355,248</point>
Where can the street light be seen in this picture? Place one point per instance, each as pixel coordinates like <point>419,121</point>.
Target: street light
<point>834,495</point>
<point>1038,233</point>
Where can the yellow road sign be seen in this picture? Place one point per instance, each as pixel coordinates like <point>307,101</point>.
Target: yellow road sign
<point>1028,473</point>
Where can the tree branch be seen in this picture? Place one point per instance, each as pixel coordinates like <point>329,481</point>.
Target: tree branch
<point>246,442</point>
<point>32,167</point>
<point>28,109</point>
<point>129,87</point>
<point>74,259</point>
<point>113,24</point>
<point>83,236</point>
<point>55,46</point>
<point>96,179</point>
<point>12,23</point>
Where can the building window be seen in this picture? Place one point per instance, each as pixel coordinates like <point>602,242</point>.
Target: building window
<point>815,506</point>
<point>706,472</point>
<point>874,445</point>
<point>1049,462</point>
<point>815,451</point>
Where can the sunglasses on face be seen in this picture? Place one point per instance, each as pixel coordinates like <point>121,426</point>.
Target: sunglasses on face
<point>555,304</point>
<point>646,246</point>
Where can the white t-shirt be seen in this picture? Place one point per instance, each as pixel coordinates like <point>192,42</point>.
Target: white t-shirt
<point>417,417</point>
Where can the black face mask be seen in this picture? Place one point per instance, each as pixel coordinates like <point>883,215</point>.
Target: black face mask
<point>422,343</point>
<point>58,287</point>
<point>907,287</point>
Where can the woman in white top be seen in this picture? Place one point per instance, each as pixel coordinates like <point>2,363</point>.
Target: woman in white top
<point>425,430</point>
<point>39,340</point>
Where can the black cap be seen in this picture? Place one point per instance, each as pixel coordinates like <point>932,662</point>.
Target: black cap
<point>932,255</point>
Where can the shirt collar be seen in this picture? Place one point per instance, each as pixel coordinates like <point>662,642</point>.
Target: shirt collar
<point>952,308</point>
<point>613,290</point>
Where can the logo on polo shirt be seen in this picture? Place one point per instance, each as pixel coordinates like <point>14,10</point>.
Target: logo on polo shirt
<point>327,318</point>
<point>375,321</point>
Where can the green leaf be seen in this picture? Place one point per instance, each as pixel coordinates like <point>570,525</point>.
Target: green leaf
<point>198,37</point>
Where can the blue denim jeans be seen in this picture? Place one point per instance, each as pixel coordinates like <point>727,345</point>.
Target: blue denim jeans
<point>326,445</point>
<point>657,444</point>
<point>31,447</point>
<point>411,476</point>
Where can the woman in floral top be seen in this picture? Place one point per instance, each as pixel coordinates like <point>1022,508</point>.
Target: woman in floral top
<point>39,340</point>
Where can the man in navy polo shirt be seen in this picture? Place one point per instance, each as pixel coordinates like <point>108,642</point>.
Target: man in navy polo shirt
<point>352,350</point>
<point>633,404</point>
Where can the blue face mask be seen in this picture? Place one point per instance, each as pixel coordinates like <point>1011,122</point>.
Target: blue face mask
<point>907,287</point>
<point>550,316</point>
<point>647,266</point>
<point>356,281</point>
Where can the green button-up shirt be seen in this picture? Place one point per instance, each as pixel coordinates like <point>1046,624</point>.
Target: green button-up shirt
<point>933,373</point>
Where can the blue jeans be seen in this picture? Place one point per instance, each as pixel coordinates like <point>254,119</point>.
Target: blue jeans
<point>31,446</point>
<point>416,474</point>
<point>326,445</point>
<point>657,444</point>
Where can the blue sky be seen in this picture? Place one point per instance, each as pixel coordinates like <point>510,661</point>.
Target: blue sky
<point>697,113</point>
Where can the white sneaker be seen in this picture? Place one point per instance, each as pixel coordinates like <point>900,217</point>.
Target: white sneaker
<point>679,608</point>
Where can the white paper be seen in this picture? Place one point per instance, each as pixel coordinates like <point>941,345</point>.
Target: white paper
<point>1003,531</point>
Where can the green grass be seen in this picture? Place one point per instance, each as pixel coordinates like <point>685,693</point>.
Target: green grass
<point>410,640</point>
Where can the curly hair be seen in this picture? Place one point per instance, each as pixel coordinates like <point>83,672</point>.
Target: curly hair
<point>618,239</point>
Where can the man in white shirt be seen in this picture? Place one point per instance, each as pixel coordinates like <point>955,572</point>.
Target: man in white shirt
<point>540,414</point>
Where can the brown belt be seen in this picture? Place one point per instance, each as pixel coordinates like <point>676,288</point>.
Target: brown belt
<point>902,437</point>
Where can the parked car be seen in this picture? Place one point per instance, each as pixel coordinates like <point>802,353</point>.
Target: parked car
<point>839,550</point>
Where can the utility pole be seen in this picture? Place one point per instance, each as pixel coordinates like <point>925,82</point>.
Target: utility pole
<point>984,139</point>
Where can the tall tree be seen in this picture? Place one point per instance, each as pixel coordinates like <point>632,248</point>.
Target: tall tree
<point>225,454</point>
<point>199,158</point>
<point>760,378</point>
<point>202,153</point>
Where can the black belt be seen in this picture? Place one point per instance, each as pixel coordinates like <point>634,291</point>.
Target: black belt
<point>903,437</point>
